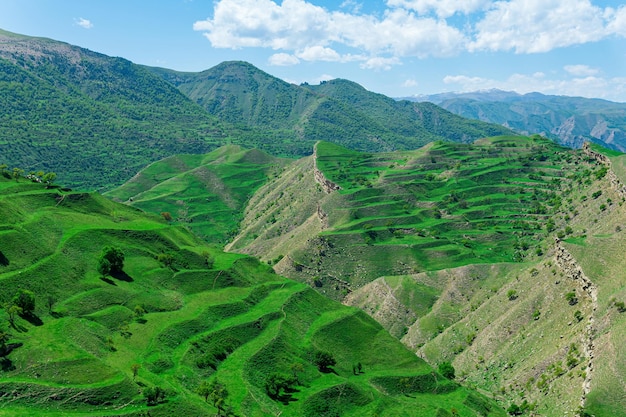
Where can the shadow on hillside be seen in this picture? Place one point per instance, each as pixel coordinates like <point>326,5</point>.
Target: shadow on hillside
<point>121,276</point>
<point>108,281</point>
<point>32,319</point>
<point>6,365</point>
<point>287,396</point>
<point>4,261</point>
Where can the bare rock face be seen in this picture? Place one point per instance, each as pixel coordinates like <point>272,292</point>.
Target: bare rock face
<point>568,264</point>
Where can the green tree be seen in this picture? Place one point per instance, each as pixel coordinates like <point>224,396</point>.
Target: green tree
<point>12,312</point>
<point>135,369</point>
<point>17,173</point>
<point>447,370</point>
<point>154,395</point>
<point>296,368</point>
<point>104,267</point>
<point>49,178</point>
<point>204,390</point>
<point>218,394</point>
<point>4,338</point>
<point>276,383</point>
<point>115,258</point>
<point>324,360</point>
<point>24,299</point>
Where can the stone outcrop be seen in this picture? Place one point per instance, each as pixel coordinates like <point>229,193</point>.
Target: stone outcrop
<point>615,182</point>
<point>572,269</point>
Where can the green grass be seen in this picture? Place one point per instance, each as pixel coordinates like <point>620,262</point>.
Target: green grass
<point>206,192</point>
<point>235,320</point>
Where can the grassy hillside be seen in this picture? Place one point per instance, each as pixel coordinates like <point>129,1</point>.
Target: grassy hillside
<point>337,111</point>
<point>442,206</point>
<point>180,315</point>
<point>452,249</point>
<point>206,192</point>
<point>93,119</point>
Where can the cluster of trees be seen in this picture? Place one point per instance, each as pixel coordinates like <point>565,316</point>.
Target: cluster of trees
<point>16,173</point>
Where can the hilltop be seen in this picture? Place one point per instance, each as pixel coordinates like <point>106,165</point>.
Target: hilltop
<point>179,320</point>
<point>337,111</point>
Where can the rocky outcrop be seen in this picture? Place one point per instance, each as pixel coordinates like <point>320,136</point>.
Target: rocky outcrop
<point>572,269</point>
<point>327,185</point>
<point>615,182</point>
<point>603,159</point>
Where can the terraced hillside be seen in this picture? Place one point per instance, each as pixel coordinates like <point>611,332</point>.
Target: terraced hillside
<point>206,192</point>
<point>180,328</point>
<point>452,249</point>
<point>442,206</point>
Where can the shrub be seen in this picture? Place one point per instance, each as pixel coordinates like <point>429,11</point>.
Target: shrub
<point>447,370</point>
<point>571,298</point>
<point>578,315</point>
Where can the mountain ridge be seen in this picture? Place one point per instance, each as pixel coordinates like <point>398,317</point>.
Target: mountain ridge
<point>568,120</point>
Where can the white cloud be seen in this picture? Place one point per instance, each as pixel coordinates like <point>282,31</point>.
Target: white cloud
<point>283,59</point>
<point>617,20</point>
<point>588,86</point>
<point>319,53</point>
<point>531,26</point>
<point>580,70</point>
<point>298,30</point>
<point>297,25</point>
<point>442,8</point>
<point>84,23</point>
<point>380,63</point>
<point>410,83</point>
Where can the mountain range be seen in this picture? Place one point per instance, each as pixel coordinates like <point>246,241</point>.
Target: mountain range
<point>480,270</point>
<point>97,120</point>
<point>567,120</point>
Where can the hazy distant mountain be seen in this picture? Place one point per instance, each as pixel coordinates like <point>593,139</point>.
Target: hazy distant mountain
<point>568,120</point>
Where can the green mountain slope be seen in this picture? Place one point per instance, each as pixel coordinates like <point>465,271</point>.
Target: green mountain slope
<point>93,119</point>
<point>442,206</point>
<point>177,314</point>
<point>207,192</point>
<point>452,248</point>
<point>337,111</point>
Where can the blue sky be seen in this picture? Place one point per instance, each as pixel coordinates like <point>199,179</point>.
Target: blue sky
<point>394,47</point>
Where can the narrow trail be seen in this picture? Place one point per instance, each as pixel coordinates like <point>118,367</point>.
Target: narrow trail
<point>572,269</point>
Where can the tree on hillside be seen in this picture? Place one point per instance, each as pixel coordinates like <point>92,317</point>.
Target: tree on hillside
<point>111,260</point>
<point>276,383</point>
<point>154,395</point>
<point>216,391</point>
<point>48,178</point>
<point>324,360</point>
<point>12,312</point>
<point>25,300</point>
<point>135,369</point>
<point>17,173</point>
<point>447,370</point>
<point>4,338</point>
